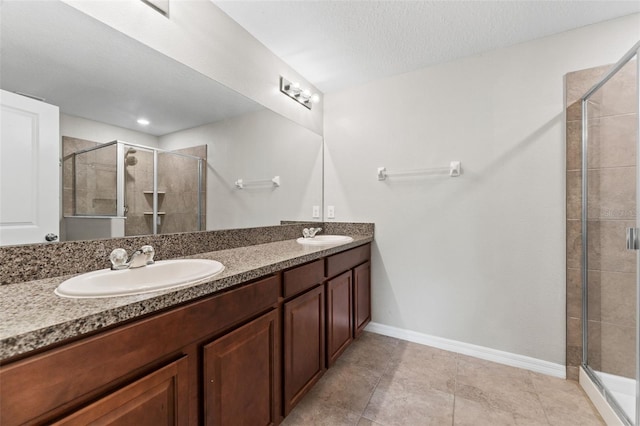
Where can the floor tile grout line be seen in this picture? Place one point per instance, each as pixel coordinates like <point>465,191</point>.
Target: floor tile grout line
<point>537,392</point>
<point>386,368</point>
<point>455,391</point>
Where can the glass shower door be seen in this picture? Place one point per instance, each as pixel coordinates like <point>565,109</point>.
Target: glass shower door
<point>161,191</point>
<point>609,211</point>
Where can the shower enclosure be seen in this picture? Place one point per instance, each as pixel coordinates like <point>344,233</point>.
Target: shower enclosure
<point>122,189</point>
<point>610,273</point>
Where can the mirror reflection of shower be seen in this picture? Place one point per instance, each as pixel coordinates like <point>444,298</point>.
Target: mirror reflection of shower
<point>121,189</point>
<point>129,160</point>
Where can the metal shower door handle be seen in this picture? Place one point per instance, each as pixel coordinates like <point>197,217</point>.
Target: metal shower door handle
<point>632,239</point>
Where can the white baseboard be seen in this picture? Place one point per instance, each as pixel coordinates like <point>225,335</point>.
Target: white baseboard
<point>489,354</point>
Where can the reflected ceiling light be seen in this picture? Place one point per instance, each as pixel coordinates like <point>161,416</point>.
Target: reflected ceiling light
<point>298,94</point>
<point>143,121</point>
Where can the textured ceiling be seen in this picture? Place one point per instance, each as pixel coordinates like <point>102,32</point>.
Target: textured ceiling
<point>335,44</point>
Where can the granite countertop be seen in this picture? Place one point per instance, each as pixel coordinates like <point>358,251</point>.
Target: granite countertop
<point>33,317</point>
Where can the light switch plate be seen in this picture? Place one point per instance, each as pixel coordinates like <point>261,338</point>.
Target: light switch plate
<point>331,212</point>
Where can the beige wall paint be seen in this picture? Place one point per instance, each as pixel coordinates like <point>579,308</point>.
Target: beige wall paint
<point>480,258</point>
<point>198,34</point>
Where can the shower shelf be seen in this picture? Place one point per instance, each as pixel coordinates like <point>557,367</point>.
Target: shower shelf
<point>151,213</point>
<point>151,192</point>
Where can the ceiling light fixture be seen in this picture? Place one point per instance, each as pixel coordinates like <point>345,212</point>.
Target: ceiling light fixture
<point>298,94</point>
<point>143,121</point>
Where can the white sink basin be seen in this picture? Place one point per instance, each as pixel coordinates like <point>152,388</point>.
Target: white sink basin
<point>325,240</point>
<point>162,275</point>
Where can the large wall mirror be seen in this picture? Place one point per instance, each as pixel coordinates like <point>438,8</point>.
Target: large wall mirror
<point>206,158</point>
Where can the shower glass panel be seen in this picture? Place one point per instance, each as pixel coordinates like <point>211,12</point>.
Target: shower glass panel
<point>138,189</point>
<point>95,181</point>
<point>609,210</point>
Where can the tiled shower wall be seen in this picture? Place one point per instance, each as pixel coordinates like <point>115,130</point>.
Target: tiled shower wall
<point>611,201</point>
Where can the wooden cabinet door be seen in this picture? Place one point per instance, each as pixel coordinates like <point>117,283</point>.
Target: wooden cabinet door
<point>339,316</point>
<point>159,398</point>
<point>241,374</point>
<point>304,339</point>
<point>361,298</point>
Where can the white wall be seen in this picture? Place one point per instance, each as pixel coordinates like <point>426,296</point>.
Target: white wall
<point>82,128</point>
<point>201,36</point>
<point>479,258</point>
<point>256,146</point>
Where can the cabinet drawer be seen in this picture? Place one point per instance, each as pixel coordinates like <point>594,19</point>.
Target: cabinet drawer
<point>344,261</point>
<point>303,277</point>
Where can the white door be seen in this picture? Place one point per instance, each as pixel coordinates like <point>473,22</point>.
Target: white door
<point>29,170</point>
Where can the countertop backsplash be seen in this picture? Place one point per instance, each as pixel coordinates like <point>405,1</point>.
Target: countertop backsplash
<point>30,262</point>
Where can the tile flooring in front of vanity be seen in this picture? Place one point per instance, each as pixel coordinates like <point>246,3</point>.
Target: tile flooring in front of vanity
<point>380,380</point>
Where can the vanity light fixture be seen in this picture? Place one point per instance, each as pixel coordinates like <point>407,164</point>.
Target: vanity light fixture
<point>143,121</point>
<point>297,93</point>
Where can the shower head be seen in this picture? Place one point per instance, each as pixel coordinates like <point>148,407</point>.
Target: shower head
<point>130,161</point>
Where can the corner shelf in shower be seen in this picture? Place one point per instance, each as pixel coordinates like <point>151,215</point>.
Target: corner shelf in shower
<point>151,213</point>
<point>151,192</point>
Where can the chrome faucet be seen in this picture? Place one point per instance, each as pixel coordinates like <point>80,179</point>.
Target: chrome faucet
<point>310,232</point>
<point>141,257</point>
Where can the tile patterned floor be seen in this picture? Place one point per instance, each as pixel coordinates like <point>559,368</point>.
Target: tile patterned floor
<point>384,381</point>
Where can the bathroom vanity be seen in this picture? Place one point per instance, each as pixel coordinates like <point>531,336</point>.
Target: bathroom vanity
<point>245,353</point>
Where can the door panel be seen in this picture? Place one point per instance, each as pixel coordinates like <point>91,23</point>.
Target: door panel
<point>303,345</point>
<point>29,170</point>
<point>240,375</point>
<point>339,316</point>
<point>361,297</point>
<point>160,398</point>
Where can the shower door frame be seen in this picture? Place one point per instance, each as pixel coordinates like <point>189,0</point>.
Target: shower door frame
<point>634,51</point>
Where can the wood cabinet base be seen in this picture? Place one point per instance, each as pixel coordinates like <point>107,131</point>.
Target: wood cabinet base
<point>220,360</point>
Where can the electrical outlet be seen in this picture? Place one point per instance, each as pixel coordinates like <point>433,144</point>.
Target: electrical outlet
<point>316,212</point>
<point>331,212</point>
